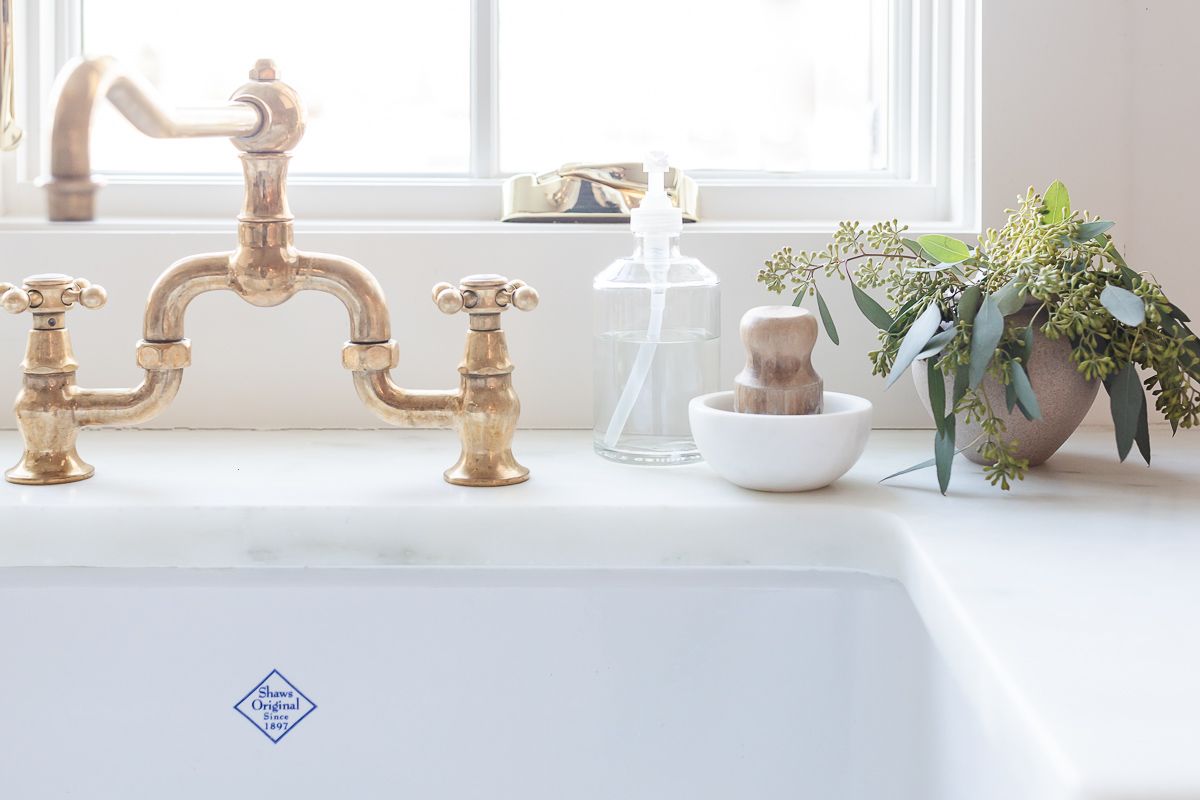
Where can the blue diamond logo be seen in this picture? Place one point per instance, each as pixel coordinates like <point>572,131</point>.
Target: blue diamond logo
<point>275,706</point>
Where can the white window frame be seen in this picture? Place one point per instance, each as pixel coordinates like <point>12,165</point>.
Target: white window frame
<point>933,177</point>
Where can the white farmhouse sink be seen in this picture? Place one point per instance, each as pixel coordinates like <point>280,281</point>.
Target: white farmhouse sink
<point>431,682</point>
<point>599,632</point>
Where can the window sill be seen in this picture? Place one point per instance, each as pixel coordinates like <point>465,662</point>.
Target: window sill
<point>130,225</point>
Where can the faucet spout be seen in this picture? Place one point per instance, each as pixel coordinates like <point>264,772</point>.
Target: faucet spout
<point>72,187</point>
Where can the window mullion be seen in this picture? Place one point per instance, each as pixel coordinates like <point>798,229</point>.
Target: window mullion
<point>49,38</point>
<point>484,89</point>
<point>926,60</point>
<point>68,31</point>
<point>901,96</point>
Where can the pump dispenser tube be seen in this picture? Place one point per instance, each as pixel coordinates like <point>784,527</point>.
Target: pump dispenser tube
<point>656,250</point>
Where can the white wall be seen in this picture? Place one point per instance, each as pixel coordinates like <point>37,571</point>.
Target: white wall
<point>1102,95</point>
<point>1098,93</point>
<point>1163,114</point>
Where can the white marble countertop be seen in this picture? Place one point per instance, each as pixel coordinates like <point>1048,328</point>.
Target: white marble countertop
<point>1069,608</point>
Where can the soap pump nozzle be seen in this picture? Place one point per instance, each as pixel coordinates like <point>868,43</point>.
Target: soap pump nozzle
<point>656,215</point>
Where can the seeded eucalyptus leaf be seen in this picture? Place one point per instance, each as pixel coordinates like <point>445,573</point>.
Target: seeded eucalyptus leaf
<point>944,249</point>
<point>926,464</point>
<point>1027,345</point>
<point>798,300</point>
<point>962,379</point>
<point>923,465</point>
<point>1192,346</point>
<point>1176,313</point>
<point>1129,278</point>
<point>1184,332</point>
<point>826,319</point>
<point>1124,305</point>
<point>918,335</point>
<point>938,342</point>
<point>943,453</point>
<point>1026,398</point>
<point>1114,255</point>
<point>989,327</point>
<point>1010,397</point>
<point>1009,298</point>
<point>968,304</point>
<point>1058,203</point>
<point>904,313</point>
<point>915,248</point>
<point>1092,230</point>
<point>1142,437</point>
<point>907,306</point>
<point>1125,398</point>
<point>871,310</point>
<point>937,268</point>
<point>937,395</point>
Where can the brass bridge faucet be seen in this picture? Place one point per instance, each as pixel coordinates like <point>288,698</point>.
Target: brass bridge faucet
<point>265,120</point>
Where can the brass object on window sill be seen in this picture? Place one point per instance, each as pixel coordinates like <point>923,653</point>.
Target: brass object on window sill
<point>590,193</point>
<point>265,121</point>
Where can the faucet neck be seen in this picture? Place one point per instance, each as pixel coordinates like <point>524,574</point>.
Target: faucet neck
<point>265,219</point>
<point>266,187</point>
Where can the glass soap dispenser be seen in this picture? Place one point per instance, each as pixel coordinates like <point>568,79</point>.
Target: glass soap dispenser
<point>657,337</point>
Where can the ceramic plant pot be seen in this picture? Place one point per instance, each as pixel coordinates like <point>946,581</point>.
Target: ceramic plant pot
<point>1063,394</point>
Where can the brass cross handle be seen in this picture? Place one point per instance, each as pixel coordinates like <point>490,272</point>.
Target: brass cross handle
<point>50,294</point>
<point>484,294</point>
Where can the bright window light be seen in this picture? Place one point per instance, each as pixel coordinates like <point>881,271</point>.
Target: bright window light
<point>746,87</point>
<point>387,84</point>
<point>752,85</point>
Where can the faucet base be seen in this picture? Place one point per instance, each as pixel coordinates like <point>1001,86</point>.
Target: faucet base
<point>48,468</point>
<point>483,469</point>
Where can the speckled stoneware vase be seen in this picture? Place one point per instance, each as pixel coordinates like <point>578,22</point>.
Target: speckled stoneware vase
<point>1062,393</point>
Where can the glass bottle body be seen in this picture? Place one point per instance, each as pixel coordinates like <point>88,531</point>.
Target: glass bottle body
<point>656,346</point>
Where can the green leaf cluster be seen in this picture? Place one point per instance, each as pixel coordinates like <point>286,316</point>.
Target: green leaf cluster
<point>948,303</point>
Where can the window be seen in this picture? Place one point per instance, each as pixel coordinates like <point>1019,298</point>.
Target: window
<point>784,86</point>
<point>782,109</point>
<point>404,79</point>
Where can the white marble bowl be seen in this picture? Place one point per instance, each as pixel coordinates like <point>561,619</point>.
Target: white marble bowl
<point>781,453</point>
